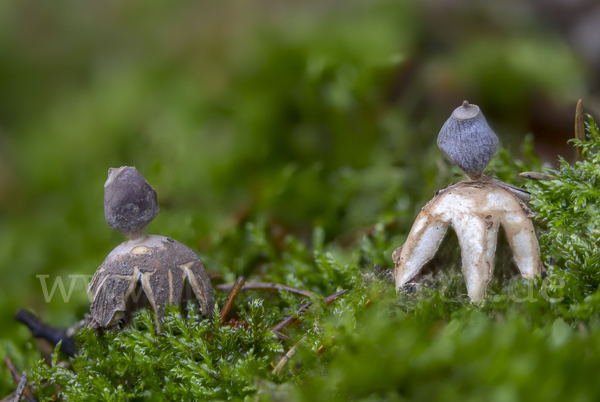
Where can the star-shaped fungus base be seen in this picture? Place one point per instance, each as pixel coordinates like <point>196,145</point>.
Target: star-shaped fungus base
<point>475,209</point>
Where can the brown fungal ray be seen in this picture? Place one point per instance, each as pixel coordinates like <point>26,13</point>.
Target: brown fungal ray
<point>475,210</point>
<point>110,292</point>
<point>162,266</point>
<point>201,285</point>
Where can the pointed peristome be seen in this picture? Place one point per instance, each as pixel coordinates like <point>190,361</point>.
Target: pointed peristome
<point>467,140</point>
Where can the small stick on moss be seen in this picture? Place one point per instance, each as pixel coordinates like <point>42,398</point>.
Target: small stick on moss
<point>579,127</point>
<point>282,337</point>
<point>13,370</point>
<point>18,378</point>
<point>537,176</point>
<point>287,357</point>
<point>266,286</point>
<point>233,293</point>
<point>293,321</point>
<point>21,387</point>
<point>324,346</point>
<point>9,398</point>
<point>330,299</point>
<point>40,329</point>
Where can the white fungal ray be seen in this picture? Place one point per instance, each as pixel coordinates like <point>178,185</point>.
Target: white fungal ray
<point>475,209</point>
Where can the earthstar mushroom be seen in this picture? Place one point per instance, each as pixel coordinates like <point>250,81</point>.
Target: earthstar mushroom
<point>157,267</point>
<point>475,208</point>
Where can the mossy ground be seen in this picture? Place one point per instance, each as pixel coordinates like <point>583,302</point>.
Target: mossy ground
<point>531,340</point>
<point>295,146</point>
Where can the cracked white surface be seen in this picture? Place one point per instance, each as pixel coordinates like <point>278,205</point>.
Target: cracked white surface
<point>475,210</point>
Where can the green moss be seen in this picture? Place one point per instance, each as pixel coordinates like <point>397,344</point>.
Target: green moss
<point>193,360</point>
<point>535,339</point>
<point>569,206</point>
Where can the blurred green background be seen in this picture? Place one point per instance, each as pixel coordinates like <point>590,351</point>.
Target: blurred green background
<point>293,114</point>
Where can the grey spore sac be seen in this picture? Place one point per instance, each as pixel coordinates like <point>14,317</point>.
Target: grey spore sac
<point>467,140</point>
<point>130,202</point>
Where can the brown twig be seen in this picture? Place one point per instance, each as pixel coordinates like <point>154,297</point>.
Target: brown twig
<point>233,293</point>
<point>266,286</point>
<point>330,299</point>
<point>324,347</point>
<point>17,377</point>
<point>21,387</point>
<point>294,321</point>
<point>537,175</point>
<point>9,398</point>
<point>40,329</point>
<point>11,367</point>
<point>287,357</point>
<point>579,127</point>
<point>291,321</point>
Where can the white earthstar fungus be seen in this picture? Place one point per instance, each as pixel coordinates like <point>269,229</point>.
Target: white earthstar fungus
<point>475,209</point>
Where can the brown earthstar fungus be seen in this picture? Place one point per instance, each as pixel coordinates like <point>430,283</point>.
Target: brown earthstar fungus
<point>475,208</point>
<point>147,269</point>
